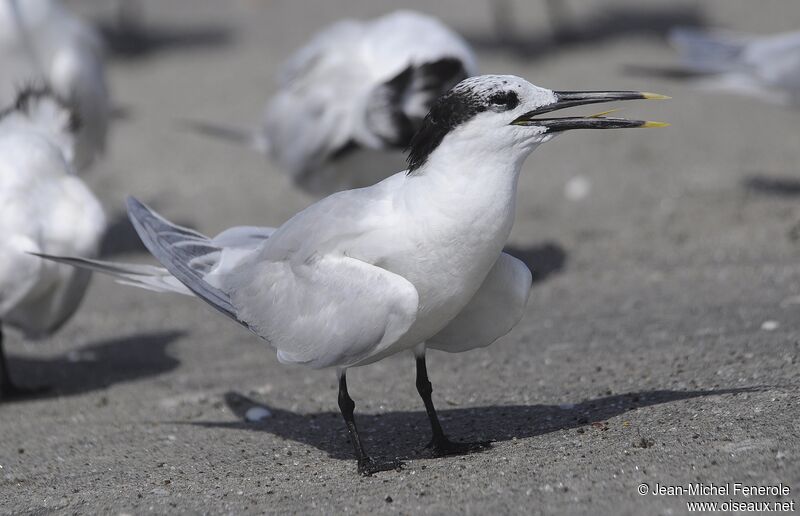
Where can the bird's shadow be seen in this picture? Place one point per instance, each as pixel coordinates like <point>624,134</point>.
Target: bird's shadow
<point>544,259</point>
<point>129,42</point>
<point>121,238</point>
<point>606,24</point>
<point>774,186</point>
<point>405,433</point>
<point>97,366</point>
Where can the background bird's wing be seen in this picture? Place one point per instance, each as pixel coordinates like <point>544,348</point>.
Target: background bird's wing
<point>78,76</point>
<point>708,51</point>
<point>412,59</point>
<point>311,117</point>
<point>404,38</point>
<point>762,66</point>
<point>67,55</point>
<point>775,61</point>
<point>493,311</point>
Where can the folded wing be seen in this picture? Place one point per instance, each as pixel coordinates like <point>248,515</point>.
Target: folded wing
<point>322,311</point>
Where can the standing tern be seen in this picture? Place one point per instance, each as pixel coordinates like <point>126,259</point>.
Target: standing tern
<point>356,93</point>
<point>44,208</point>
<point>42,42</point>
<point>410,263</point>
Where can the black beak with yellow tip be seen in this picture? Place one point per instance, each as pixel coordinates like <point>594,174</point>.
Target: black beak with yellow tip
<point>567,99</point>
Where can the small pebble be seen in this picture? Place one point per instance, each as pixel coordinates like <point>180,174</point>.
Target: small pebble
<point>81,356</point>
<point>770,325</point>
<point>255,414</point>
<point>577,188</point>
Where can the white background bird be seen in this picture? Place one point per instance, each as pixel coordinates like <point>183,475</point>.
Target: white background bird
<point>413,262</point>
<point>767,67</point>
<point>44,208</point>
<point>42,42</point>
<point>357,91</point>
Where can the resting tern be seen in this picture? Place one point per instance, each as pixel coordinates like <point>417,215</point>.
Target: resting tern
<point>44,208</point>
<point>355,93</point>
<point>42,42</point>
<point>410,263</point>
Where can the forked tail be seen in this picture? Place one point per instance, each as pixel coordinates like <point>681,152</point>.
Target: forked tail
<point>149,277</point>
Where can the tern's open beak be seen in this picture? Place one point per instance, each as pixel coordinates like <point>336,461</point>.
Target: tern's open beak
<point>566,99</point>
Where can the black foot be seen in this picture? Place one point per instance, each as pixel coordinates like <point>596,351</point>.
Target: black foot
<point>368,466</point>
<point>11,392</point>
<point>445,447</point>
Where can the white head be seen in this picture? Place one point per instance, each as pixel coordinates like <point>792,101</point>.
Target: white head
<point>500,115</point>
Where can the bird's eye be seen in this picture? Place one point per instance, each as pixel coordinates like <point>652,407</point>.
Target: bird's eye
<point>504,100</point>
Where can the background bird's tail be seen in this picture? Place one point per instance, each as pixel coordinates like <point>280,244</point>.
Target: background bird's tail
<point>235,135</point>
<point>148,277</point>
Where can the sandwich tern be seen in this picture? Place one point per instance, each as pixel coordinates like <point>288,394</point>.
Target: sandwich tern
<point>44,208</point>
<point>354,94</point>
<point>41,41</point>
<point>410,263</point>
<point>765,67</point>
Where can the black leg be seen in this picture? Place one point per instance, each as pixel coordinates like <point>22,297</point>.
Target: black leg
<point>440,444</point>
<point>5,381</point>
<point>366,465</point>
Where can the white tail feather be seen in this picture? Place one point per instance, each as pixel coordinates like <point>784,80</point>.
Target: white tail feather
<point>148,277</point>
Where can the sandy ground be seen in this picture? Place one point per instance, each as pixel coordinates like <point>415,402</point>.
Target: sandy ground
<point>661,342</point>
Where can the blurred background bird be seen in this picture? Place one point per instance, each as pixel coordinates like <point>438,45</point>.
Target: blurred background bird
<point>356,92</point>
<point>43,42</point>
<point>767,67</point>
<point>764,67</point>
<point>44,207</point>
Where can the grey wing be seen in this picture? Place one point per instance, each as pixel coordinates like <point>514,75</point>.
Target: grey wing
<point>183,252</point>
<point>493,311</point>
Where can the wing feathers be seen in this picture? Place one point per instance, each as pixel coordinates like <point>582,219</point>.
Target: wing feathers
<point>177,248</point>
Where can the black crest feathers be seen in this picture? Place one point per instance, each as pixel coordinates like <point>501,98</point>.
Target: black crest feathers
<point>452,109</point>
